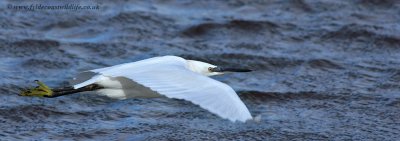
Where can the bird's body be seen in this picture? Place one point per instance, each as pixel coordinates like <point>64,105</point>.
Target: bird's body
<point>119,87</point>
<point>168,76</point>
<point>123,88</point>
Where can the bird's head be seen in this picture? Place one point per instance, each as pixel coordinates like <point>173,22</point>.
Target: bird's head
<point>210,70</point>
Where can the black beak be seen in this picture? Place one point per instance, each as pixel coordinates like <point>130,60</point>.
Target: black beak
<point>220,69</point>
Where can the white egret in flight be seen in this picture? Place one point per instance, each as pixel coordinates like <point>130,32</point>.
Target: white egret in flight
<point>166,76</point>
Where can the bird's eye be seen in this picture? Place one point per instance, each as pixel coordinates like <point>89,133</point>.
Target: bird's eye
<point>210,69</point>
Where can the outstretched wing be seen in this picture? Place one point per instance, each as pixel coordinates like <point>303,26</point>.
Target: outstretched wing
<point>170,77</point>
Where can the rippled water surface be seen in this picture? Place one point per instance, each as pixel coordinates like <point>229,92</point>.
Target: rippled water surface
<point>324,69</point>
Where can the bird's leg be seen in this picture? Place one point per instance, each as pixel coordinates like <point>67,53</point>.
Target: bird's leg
<point>44,91</point>
<point>71,90</point>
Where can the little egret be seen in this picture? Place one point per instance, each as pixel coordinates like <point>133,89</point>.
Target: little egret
<point>166,76</point>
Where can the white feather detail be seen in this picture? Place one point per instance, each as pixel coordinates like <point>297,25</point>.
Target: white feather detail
<point>169,76</point>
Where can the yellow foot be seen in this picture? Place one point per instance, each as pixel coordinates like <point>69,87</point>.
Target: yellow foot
<point>40,91</point>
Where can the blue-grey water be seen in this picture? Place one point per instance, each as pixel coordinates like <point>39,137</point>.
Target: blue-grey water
<point>324,70</point>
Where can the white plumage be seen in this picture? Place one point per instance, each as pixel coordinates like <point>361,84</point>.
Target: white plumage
<point>172,77</point>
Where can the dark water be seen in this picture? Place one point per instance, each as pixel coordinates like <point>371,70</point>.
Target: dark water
<point>325,70</point>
